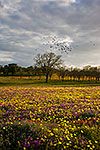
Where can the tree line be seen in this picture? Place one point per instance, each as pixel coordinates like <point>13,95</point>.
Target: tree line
<point>48,64</point>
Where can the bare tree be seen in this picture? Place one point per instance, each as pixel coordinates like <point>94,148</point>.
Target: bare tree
<point>48,62</point>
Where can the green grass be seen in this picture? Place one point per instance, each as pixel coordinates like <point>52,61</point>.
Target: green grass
<point>5,81</point>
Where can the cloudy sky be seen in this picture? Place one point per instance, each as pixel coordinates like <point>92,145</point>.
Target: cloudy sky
<point>27,25</point>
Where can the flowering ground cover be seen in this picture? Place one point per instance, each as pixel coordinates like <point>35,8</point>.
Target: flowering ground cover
<point>50,118</point>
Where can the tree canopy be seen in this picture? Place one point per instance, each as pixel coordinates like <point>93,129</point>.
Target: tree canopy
<point>47,62</point>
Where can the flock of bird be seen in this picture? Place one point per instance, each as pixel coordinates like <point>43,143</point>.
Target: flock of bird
<point>66,47</point>
<point>56,43</point>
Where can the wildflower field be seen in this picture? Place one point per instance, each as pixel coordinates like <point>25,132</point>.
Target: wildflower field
<point>50,118</point>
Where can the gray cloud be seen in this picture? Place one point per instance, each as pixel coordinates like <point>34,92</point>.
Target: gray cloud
<point>24,24</point>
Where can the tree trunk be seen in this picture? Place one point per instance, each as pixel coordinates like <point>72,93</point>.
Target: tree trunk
<point>47,78</point>
<point>97,78</point>
<point>50,76</point>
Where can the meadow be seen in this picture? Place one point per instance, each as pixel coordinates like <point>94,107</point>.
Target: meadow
<point>50,118</point>
<point>35,81</point>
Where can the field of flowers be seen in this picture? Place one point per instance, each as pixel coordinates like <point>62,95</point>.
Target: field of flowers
<point>50,118</point>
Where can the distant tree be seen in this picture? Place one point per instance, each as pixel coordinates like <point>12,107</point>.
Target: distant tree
<point>87,72</point>
<point>58,73</point>
<point>62,72</point>
<point>77,72</point>
<point>20,71</point>
<point>98,73</point>
<point>51,72</point>
<point>95,72</point>
<point>13,68</point>
<point>82,72</point>
<point>47,62</point>
<point>29,70</point>
<point>1,69</point>
<point>5,70</point>
<point>72,73</point>
<point>38,71</point>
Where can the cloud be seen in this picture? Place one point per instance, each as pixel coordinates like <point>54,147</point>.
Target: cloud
<point>5,57</point>
<point>26,25</point>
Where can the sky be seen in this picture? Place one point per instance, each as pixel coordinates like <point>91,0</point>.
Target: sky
<point>28,26</point>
